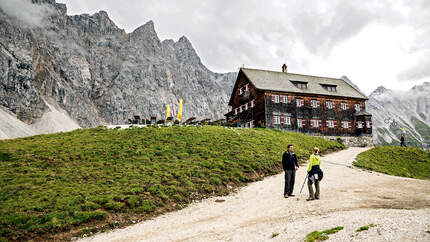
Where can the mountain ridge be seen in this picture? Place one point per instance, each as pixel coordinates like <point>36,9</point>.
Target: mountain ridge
<point>99,74</point>
<point>401,112</point>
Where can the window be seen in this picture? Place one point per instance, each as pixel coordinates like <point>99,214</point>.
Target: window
<point>328,87</point>
<point>245,107</point>
<point>240,91</point>
<point>299,102</point>
<point>357,107</point>
<point>330,105</point>
<point>287,120</point>
<point>368,124</point>
<point>359,125</point>
<point>299,123</point>
<point>247,87</point>
<point>252,103</point>
<point>235,111</point>
<point>343,105</point>
<point>314,103</point>
<point>345,124</point>
<point>276,98</point>
<point>315,123</point>
<point>301,85</point>
<point>276,120</point>
<point>330,123</point>
<point>240,109</point>
<point>284,99</point>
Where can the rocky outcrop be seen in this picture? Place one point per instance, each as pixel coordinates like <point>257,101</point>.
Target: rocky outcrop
<point>99,74</point>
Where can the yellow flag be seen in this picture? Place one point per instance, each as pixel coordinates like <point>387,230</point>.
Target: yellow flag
<point>180,110</point>
<point>167,111</point>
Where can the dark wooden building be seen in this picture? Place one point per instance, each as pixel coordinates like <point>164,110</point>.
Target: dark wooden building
<point>303,103</point>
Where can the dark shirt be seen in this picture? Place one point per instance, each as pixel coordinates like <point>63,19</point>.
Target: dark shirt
<point>289,161</point>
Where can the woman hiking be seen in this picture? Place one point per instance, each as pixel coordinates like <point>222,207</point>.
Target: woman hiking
<point>314,175</point>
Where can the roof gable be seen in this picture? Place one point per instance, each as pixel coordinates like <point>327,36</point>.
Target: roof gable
<point>284,82</point>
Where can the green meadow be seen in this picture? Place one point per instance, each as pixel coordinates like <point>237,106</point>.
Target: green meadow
<point>397,161</point>
<point>67,184</point>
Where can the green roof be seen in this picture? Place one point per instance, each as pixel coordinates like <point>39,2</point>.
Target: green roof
<point>283,82</point>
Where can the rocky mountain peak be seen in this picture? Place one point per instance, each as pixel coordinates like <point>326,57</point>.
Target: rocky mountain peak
<point>147,30</point>
<point>379,90</point>
<point>421,87</point>
<point>185,51</point>
<point>185,41</point>
<point>102,15</point>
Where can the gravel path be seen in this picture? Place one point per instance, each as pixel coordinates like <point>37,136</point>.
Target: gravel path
<point>350,197</point>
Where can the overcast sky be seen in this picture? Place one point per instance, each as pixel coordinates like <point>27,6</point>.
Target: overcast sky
<point>372,42</point>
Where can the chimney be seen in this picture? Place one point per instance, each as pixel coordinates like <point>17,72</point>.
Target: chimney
<point>284,68</point>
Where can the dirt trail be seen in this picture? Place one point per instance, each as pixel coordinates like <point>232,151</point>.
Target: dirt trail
<point>350,197</point>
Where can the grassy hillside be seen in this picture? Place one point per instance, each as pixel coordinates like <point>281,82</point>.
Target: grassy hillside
<point>55,185</point>
<point>398,161</point>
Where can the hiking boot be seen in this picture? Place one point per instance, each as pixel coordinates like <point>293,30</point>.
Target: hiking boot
<point>317,198</point>
<point>286,195</point>
<point>310,199</point>
<point>291,195</point>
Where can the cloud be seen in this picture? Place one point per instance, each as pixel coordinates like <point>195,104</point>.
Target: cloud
<point>419,70</point>
<point>419,20</point>
<point>30,14</point>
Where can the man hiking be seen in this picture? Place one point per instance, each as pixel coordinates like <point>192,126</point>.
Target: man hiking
<point>290,165</point>
<point>402,141</point>
<point>314,175</point>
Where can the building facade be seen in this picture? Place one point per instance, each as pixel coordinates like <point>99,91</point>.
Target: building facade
<point>295,102</point>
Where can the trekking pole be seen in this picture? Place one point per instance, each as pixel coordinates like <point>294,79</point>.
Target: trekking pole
<point>303,186</point>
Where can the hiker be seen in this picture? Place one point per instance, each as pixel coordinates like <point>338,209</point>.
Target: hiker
<point>314,175</point>
<point>402,141</point>
<point>290,165</point>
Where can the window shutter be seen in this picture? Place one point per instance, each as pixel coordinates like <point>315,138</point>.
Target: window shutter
<point>303,122</point>
<point>319,123</point>
<point>349,124</point>
<point>281,98</point>
<point>312,123</point>
<point>288,99</point>
<point>326,122</point>
<point>282,119</point>
<point>273,119</point>
<point>302,102</point>
<point>318,104</point>
<point>273,98</point>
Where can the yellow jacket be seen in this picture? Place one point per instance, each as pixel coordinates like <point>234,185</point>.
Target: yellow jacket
<point>314,160</point>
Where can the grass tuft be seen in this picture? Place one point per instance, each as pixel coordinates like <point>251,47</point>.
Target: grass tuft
<point>320,236</point>
<point>364,228</point>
